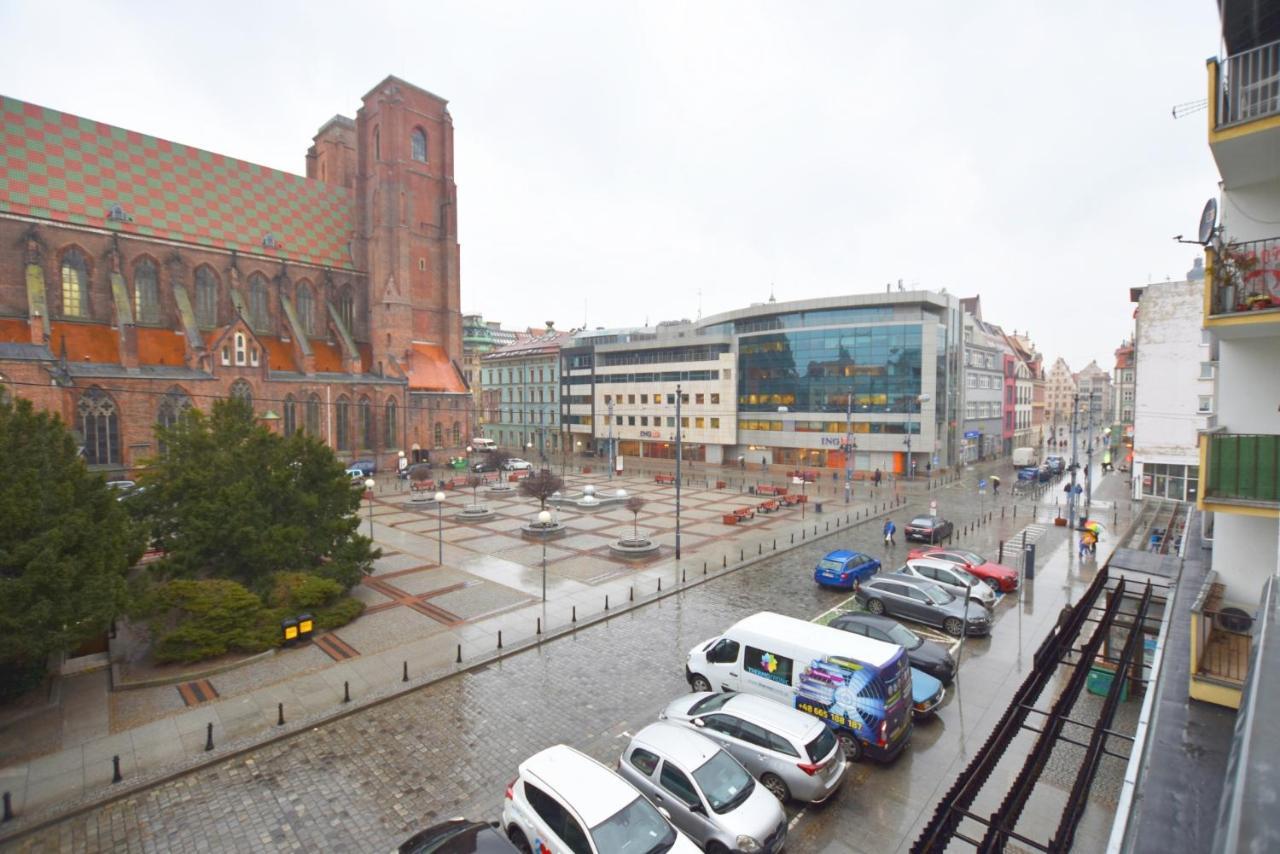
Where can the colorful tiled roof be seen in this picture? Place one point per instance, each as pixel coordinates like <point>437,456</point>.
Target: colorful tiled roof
<point>65,168</point>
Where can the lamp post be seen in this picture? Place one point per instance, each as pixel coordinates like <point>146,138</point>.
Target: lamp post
<point>911,469</point>
<point>848,445</point>
<point>440,527</point>
<point>679,448</point>
<point>369,485</point>
<point>801,481</point>
<point>544,519</point>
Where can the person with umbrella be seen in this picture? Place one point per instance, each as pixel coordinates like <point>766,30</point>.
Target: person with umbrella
<point>995,485</point>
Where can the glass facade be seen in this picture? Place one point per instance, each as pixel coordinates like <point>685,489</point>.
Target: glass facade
<point>813,370</point>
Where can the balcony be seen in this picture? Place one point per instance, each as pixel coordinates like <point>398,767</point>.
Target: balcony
<point>1242,285</point>
<point>1244,104</point>
<point>1240,473</point>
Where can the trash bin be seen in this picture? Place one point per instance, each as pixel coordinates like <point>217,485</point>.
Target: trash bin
<point>817,507</point>
<point>751,490</point>
<point>1029,561</point>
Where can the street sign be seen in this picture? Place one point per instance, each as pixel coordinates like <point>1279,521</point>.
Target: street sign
<point>982,484</point>
<point>933,508</point>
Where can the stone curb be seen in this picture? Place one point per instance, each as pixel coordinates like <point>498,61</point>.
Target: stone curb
<point>119,684</point>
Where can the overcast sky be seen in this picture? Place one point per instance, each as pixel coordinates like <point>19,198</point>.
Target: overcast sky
<point>618,162</point>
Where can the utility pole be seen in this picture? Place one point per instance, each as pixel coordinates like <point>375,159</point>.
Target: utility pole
<point>1088,471</point>
<point>613,460</point>
<point>848,445</point>
<point>679,439</point>
<point>1071,494</point>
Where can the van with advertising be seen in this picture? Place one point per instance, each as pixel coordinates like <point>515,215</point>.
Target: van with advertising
<point>1023,457</point>
<point>480,443</point>
<point>860,687</point>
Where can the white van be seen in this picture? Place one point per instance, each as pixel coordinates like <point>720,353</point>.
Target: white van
<point>482,444</point>
<point>859,686</point>
<point>1025,457</point>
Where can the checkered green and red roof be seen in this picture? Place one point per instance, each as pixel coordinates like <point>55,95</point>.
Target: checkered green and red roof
<point>70,169</point>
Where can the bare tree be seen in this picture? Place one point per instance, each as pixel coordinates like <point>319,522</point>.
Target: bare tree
<point>474,481</point>
<point>541,485</point>
<point>635,504</point>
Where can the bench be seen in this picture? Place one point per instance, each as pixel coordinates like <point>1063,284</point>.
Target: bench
<point>730,519</point>
<point>422,490</point>
<point>664,478</point>
<point>745,513</point>
<point>766,489</point>
<point>795,499</point>
<point>768,506</point>
<point>517,475</point>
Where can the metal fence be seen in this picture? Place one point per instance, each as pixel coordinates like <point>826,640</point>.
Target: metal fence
<point>1250,85</point>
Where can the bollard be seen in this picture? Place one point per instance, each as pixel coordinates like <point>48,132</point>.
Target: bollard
<point>775,544</point>
<point>683,577</point>
<point>759,548</point>
<point>115,770</point>
<point>606,598</point>
<point>538,630</point>
<point>405,676</point>
<point>279,714</point>
<point>803,533</point>
<point>500,634</point>
<point>575,614</point>
<point>793,537</point>
<point>828,526</point>
<point>742,555</point>
<point>659,589</point>
<point>8,809</point>
<point>1000,559</point>
<point>724,561</point>
<point>346,698</point>
<point>1015,511</point>
<point>704,567</point>
<point>631,596</point>
<point>1024,539</point>
<point>1002,512</point>
<point>208,739</point>
<point>458,660</point>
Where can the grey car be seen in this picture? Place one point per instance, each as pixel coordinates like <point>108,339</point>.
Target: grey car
<point>707,792</point>
<point>793,754</point>
<point>949,577</point>
<point>922,601</point>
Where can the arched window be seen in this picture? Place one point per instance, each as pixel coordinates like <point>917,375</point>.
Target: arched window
<point>259,315</point>
<point>313,414</point>
<point>146,292</point>
<point>342,425</point>
<point>419,140</point>
<point>75,284</point>
<point>437,434</point>
<point>306,309</point>
<point>389,424</point>
<point>377,143</point>
<point>290,415</point>
<point>206,298</point>
<point>241,390</point>
<point>457,434</point>
<point>172,406</point>
<point>100,428</point>
<point>366,423</point>
<point>347,308</point>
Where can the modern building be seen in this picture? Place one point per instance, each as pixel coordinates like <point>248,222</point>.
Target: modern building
<point>983,386</point>
<point>522,382</point>
<point>141,277</point>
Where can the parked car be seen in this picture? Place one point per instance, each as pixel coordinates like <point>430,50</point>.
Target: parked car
<point>1031,473</point>
<point>367,468</point>
<point>565,802</point>
<point>483,466</point>
<point>951,577</point>
<point>844,568</point>
<point>794,755</point>
<point>925,655</point>
<point>1056,463</point>
<point>996,575</point>
<point>357,477</point>
<point>707,792</point>
<point>922,601</point>
<point>515,464</point>
<point>929,529</point>
<point>458,836</point>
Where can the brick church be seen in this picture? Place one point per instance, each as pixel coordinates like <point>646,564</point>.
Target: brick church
<point>139,277</point>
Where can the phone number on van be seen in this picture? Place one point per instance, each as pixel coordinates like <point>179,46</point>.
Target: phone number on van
<point>827,715</point>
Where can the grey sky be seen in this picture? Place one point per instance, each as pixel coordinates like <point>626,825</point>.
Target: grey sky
<point>627,156</point>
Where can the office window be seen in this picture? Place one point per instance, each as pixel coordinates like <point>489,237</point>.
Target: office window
<point>644,420</point>
<point>715,423</point>
<point>607,399</point>
<point>715,398</point>
<point>698,398</point>
<point>699,423</point>
<point>1206,370</point>
<point>671,421</point>
<point>631,398</point>
<point>671,400</point>
<point>1206,403</point>
<point>631,421</point>
<point>644,398</point>
<point>617,419</point>
<point>684,421</point>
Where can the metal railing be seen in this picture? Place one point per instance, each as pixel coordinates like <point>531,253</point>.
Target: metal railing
<point>1250,85</point>
<point>1243,467</point>
<point>1256,266</point>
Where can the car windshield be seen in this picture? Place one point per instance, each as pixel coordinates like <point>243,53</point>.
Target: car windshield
<point>723,781</point>
<point>936,594</point>
<point>712,703</point>
<point>970,558</point>
<point>828,563</point>
<point>637,828</point>
<point>821,746</point>
<point>967,577</point>
<point>922,522</point>
<point>904,637</point>
<point>858,558</point>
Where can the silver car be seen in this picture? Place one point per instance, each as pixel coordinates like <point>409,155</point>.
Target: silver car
<point>707,792</point>
<point>951,578</point>
<point>793,754</point>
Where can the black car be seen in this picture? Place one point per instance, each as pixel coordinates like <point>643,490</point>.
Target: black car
<point>482,467</point>
<point>928,529</point>
<point>924,655</point>
<point>923,601</point>
<point>458,836</point>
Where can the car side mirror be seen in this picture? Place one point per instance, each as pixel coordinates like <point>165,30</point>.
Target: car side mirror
<point>696,807</point>
<point>699,722</point>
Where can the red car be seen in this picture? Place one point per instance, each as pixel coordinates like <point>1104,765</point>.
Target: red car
<point>997,576</point>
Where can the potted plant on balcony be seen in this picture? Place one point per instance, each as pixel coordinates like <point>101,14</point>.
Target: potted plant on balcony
<point>1232,265</point>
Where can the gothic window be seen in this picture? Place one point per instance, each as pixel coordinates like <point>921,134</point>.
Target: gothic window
<point>290,415</point>
<point>99,427</point>
<point>313,414</point>
<point>389,423</point>
<point>241,390</point>
<point>347,308</point>
<point>146,292</point>
<point>437,435</point>
<point>366,423</point>
<point>377,144</point>
<point>75,284</point>
<point>241,349</point>
<point>341,414</point>
<point>457,433</point>
<point>306,309</point>
<point>259,315</point>
<point>172,406</point>
<point>206,298</point>
<point>419,139</point>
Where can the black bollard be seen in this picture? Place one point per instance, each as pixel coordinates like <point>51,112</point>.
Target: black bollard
<point>1002,512</point>
<point>632,594</point>
<point>499,638</point>
<point>704,567</point>
<point>575,614</point>
<point>724,561</point>
<point>606,601</point>
<point>759,548</point>
<point>8,809</point>
<point>115,770</point>
<point>539,628</point>
<point>279,714</point>
<point>346,698</point>
<point>742,555</point>
<point>405,676</point>
<point>793,537</point>
<point>659,590</point>
<point>828,526</point>
<point>458,660</point>
<point>775,544</point>
<point>683,578</point>
<point>803,533</point>
<point>208,739</point>
<point>1000,559</point>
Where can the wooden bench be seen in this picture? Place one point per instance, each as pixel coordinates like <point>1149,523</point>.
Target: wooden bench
<point>768,506</point>
<point>766,489</point>
<point>730,519</point>
<point>664,478</point>
<point>422,490</point>
<point>518,475</point>
<point>795,499</point>
<point>745,513</point>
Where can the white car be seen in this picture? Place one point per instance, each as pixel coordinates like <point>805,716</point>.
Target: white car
<point>952,578</point>
<point>565,802</point>
<point>515,464</point>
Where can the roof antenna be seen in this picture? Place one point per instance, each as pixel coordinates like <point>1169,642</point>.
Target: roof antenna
<point>771,296</point>
<point>699,303</point>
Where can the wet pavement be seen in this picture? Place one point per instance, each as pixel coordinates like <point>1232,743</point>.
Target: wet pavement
<point>372,778</point>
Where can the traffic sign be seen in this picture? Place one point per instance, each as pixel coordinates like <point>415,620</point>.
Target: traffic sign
<point>982,484</point>
<point>933,508</point>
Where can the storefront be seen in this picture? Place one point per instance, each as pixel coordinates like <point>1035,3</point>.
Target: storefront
<point>657,450</point>
<point>1174,481</point>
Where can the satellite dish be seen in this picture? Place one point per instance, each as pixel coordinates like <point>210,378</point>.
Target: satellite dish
<point>1208,220</point>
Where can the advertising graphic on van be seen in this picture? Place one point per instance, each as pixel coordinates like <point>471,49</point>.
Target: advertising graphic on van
<point>768,665</point>
<point>849,695</point>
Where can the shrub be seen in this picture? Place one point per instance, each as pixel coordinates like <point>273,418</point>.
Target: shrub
<point>301,591</point>
<point>205,619</point>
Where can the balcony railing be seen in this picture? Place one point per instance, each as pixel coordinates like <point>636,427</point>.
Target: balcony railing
<point>1246,276</point>
<point>1250,85</point>
<point>1243,467</point>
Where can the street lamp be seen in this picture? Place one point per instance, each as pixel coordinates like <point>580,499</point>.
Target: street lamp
<point>557,498</point>
<point>911,469</point>
<point>544,519</point>
<point>440,527</point>
<point>801,481</point>
<point>369,485</point>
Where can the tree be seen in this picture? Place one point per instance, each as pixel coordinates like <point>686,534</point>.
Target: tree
<point>635,504</point>
<point>231,499</point>
<point>66,543</point>
<point>474,481</point>
<point>541,486</point>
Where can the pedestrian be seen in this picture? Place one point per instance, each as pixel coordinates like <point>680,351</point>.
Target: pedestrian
<point>834,476</point>
<point>995,485</point>
<point>875,479</point>
<point>742,461</point>
<point>1088,544</point>
<point>764,463</point>
<point>889,530</point>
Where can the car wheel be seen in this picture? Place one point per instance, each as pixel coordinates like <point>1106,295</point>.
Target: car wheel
<point>953,626</point>
<point>716,848</point>
<point>700,683</point>
<point>875,606</point>
<point>517,839</point>
<point>776,787</point>
<point>852,747</point>
<point>993,584</point>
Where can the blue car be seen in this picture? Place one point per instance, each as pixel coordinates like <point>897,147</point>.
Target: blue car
<point>926,694</point>
<point>845,569</point>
